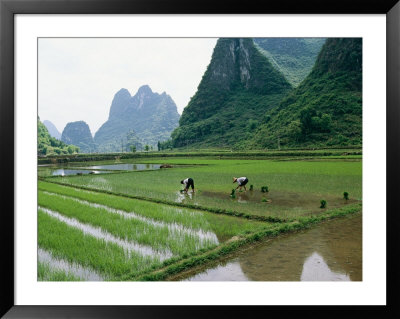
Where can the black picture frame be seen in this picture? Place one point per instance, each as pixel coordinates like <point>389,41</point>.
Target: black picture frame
<point>8,8</point>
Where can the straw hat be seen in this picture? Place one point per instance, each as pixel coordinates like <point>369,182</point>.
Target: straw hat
<point>234,179</point>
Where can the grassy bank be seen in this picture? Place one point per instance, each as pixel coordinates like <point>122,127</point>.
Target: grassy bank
<point>59,159</point>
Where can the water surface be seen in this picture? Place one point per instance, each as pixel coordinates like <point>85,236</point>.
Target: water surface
<point>126,167</point>
<point>75,169</point>
<point>56,171</point>
<point>331,251</point>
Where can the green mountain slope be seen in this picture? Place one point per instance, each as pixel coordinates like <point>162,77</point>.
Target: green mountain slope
<point>294,57</point>
<point>144,118</point>
<point>48,145</point>
<point>326,108</point>
<point>238,87</point>
<point>78,133</point>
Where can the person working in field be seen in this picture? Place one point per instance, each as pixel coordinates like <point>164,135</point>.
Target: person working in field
<point>188,182</point>
<point>242,181</point>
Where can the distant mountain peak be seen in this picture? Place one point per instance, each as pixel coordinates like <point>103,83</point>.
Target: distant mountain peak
<point>123,92</point>
<point>145,89</point>
<point>53,131</point>
<point>119,102</point>
<point>78,133</point>
<point>150,115</point>
<point>144,93</point>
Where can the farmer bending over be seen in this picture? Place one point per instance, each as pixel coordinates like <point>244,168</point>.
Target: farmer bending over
<point>188,182</point>
<point>242,181</point>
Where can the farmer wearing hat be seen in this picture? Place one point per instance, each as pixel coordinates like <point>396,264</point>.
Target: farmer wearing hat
<point>242,181</point>
<point>188,182</point>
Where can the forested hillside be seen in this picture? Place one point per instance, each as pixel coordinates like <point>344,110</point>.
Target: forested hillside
<point>325,110</point>
<point>48,145</point>
<point>294,57</point>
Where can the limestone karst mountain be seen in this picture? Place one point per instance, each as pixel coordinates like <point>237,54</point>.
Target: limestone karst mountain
<point>238,87</point>
<point>78,134</point>
<point>145,118</point>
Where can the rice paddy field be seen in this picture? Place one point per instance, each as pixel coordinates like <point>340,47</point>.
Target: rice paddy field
<point>126,224</point>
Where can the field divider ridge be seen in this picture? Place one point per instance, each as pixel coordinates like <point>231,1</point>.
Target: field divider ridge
<point>269,219</point>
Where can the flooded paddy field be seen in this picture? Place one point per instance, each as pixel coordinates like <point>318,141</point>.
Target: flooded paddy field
<point>331,251</point>
<point>123,220</point>
<point>90,230</point>
<point>295,188</point>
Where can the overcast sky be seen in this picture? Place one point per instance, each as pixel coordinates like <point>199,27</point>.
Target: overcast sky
<point>79,77</point>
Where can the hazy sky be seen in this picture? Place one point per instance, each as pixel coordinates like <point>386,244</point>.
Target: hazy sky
<point>79,77</point>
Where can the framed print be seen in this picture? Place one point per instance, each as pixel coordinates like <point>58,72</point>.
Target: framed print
<point>167,158</point>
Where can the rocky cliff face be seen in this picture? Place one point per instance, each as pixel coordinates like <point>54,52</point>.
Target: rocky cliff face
<point>238,84</point>
<point>78,134</point>
<point>150,116</point>
<point>119,104</point>
<point>237,63</point>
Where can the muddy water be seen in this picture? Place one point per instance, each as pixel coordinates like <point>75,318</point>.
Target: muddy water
<point>331,251</point>
<point>304,201</point>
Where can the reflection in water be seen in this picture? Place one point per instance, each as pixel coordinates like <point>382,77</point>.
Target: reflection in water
<point>230,272</point>
<point>127,167</point>
<point>242,197</point>
<point>316,269</point>
<point>65,172</point>
<point>327,252</point>
<point>56,170</point>
<point>181,197</point>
